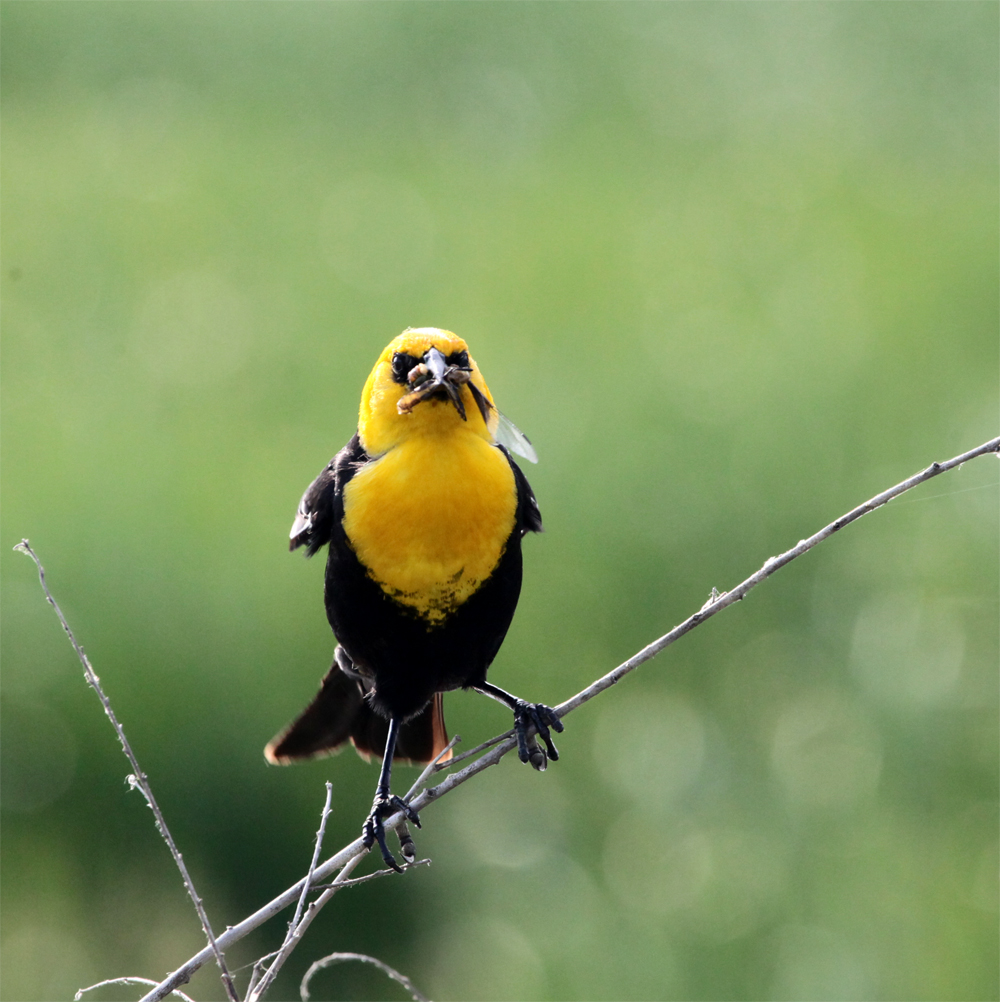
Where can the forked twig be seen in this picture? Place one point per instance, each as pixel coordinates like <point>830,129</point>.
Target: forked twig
<point>258,970</point>
<point>296,932</point>
<point>339,958</point>
<point>138,779</point>
<point>275,906</point>
<point>256,991</point>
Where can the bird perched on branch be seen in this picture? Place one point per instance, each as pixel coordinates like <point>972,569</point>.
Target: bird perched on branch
<point>423,510</point>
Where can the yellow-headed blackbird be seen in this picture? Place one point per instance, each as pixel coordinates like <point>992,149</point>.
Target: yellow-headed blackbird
<point>423,511</point>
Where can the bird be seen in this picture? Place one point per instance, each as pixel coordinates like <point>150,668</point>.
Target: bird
<point>423,512</point>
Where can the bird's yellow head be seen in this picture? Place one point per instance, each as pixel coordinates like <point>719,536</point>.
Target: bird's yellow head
<point>424,383</point>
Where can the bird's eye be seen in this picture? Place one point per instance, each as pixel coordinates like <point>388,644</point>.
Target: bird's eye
<point>459,358</point>
<point>401,365</point>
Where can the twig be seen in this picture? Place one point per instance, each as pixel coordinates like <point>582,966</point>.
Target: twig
<point>296,933</point>
<point>315,859</point>
<point>255,991</point>
<point>715,604</point>
<point>237,932</point>
<point>339,958</point>
<point>127,981</point>
<point>258,970</point>
<point>431,766</point>
<point>374,875</point>
<point>770,566</point>
<point>441,766</point>
<point>138,779</point>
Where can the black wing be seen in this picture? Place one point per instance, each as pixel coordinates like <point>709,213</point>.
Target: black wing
<point>322,504</point>
<point>529,518</point>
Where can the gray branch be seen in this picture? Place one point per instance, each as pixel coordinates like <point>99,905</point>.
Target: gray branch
<point>138,779</point>
<point>297,931</point>
<point>719,602</point>
<point>294,934</point>
<point>339,958</point>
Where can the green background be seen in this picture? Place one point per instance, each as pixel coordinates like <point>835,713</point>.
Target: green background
<point>732,267</point>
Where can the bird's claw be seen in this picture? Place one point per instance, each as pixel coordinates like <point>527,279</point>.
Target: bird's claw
<point>541,717</point>
<point>374,830</point>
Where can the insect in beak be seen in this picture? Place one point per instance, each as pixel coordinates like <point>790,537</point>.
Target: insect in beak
<point>434,378</point>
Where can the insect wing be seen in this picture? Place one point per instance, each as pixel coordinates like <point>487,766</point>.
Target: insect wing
<point>509,435</point>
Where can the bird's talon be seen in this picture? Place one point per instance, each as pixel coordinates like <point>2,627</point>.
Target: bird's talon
<point>536,756</point>
<point>541,717</point>
<point>522,741</point>
<point>406,844</point>
<point>374,830</point>
<point>399,804</point>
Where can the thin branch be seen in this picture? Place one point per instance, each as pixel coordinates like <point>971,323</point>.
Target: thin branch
<point>138,779</point>
<point>715,604</point>
<point>237,932</point>
<point>339,958</point>
<point>770,566</point>
<point>374,875</point>
<point>441,766</point>
<point>315,859</point>
<point>431,766</point>
<point>255,991</point>
<point>297,928</point>
<point>339,885</point>
<point>258,970</point>
<point>295,934</point>
<point>127,981</point>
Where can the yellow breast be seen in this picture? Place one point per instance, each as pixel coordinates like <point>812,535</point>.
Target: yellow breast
<point>430,518</point>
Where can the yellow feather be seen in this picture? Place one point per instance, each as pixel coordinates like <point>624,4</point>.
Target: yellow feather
<point>380,425</point>
<point>430,516</point>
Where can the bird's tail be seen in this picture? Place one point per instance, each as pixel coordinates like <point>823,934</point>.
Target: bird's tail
<point>340,713</point>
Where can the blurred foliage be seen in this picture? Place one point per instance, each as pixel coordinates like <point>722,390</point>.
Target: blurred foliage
<point>732,267</point>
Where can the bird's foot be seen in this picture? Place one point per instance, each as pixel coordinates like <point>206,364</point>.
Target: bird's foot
<point>541,717</point>
<point>374,831</point>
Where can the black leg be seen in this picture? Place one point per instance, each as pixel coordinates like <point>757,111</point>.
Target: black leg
<point>536,715</point>
<point>385,803</point>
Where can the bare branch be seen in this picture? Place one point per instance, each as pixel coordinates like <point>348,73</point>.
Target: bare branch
<point>296,933</point>
<point>258,970</point>
<point>506,742</point>
<point>770,566</point>
<point>339,958</point>
<point>374,875</point>
<point>127,981</point>
<point>315,859</point>
<point>138,779</point>
<point>441,766</point>
<point>237,932</point>
<point>281,954</point>
<point>432,766</point>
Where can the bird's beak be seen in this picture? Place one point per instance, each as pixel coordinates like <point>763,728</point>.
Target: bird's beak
<point>434,378</point>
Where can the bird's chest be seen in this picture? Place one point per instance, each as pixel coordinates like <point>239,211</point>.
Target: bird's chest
<point>429,520</point>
